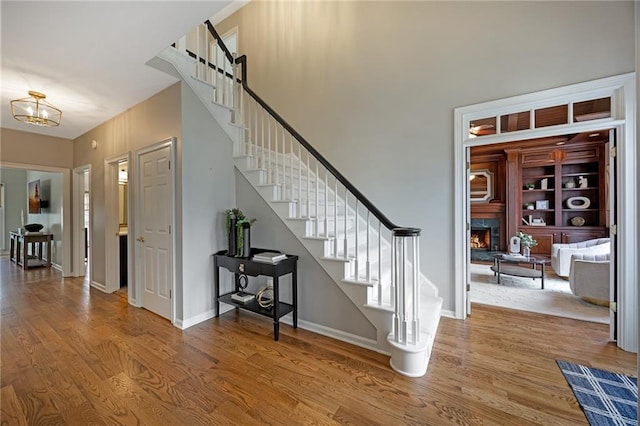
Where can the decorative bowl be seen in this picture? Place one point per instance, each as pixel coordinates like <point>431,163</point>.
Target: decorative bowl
<point>33,227</point>
<point>577,221</point>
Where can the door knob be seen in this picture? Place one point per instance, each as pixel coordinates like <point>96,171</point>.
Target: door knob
<point>141,239</point>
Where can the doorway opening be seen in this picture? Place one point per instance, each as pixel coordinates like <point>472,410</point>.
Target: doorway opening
<point>532,184</point>
<point>82,236</point>
<point>123,228</point>
<point>503,126</point>
<point>117,225</point>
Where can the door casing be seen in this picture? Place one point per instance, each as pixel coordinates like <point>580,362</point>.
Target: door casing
<point>622,91</point>
<point>135,291</point>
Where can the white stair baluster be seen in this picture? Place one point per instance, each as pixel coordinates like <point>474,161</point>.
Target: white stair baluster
<point>234,93</point>
<point>326,206</point>
<point>346,215</point>
<point>197,70</point>
<point>308,189</point>
<point>317,224</point>
<point>357,261</point>
<point>291,158</point>
<point>416,290</point>
<point>379,263</point>
<point>269,169</point>
<point>216,93</point>
<point>335,218</point>
<point>223,82</point>
<point>368,261</point>
<point>299,210</point>
<point>275,153</point>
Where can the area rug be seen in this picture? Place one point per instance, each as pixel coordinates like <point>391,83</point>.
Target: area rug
<point>525,294</point>
<point>606,398</point>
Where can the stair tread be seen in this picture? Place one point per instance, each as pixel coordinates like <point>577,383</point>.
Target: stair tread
<point>311,237</point>
<point>336,259</point>
<point>360,282</point>
<point>384,307</point>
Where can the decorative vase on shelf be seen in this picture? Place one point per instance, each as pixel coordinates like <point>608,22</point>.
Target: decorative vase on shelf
<point>246,240</point>
<point>526,251</point>
<point>232,237</point>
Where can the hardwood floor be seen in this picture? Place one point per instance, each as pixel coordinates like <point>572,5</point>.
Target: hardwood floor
<point>73,355</point>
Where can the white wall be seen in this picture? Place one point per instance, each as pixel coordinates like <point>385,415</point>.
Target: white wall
<point>51,217</point>
<point>373,85</point>
<point>207,184</point>
<point>15,197</point>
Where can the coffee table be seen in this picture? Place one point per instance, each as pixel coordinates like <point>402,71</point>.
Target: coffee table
<point>511,265</point>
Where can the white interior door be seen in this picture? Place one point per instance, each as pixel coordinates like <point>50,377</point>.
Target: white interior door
<point>154,243</point>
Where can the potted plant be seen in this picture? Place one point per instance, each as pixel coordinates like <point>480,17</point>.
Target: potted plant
<point>526,241</point>
<point>238,228</point>
<point>530,186</point>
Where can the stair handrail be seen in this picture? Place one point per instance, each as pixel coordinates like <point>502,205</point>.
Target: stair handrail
<point>242,60</point>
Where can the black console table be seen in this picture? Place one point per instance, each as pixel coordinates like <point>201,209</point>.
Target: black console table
<point>246,266</point>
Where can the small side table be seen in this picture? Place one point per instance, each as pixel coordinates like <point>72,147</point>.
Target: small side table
<point>246,266</point>
<point>19,249</point>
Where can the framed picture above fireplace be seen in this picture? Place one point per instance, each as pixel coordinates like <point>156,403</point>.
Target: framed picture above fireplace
<point>480,186</point>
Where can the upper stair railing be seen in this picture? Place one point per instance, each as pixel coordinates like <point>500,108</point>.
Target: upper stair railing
<point>356,229</point>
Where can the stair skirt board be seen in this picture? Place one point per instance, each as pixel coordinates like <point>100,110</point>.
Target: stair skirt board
<point>306,220</point>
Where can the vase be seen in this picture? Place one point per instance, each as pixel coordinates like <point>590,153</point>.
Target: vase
<point>246,240</point>
<point>233,247</point>
<point>526,251</point>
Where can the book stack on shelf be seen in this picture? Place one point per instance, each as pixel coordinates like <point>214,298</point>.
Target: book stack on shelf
<point>269,257</point>
<point>242,297</point>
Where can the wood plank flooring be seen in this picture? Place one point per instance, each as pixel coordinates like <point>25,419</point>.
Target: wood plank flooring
<point>73,355</point>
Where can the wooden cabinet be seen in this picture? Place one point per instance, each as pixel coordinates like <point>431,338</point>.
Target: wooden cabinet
<point>561,194</point>
<point>546,236</point>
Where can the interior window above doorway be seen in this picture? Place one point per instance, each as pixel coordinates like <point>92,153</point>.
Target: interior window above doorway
<point>544,116</point>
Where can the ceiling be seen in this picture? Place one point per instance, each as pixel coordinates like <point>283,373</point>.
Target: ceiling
<point>89,57</point>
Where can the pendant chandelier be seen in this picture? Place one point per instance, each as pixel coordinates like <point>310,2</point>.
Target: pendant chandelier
<point>35,110</point>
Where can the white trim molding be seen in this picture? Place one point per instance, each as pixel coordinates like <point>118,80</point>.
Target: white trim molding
<point>111,222</point>
<point>135,290</point>
<point>622,91</point>
<point>66,208</point>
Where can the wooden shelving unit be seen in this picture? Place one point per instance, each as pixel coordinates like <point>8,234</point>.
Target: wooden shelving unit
<point>558,167</point>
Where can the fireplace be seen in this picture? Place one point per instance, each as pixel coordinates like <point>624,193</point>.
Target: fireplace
<point>484,239</point>
<point>480,238</point>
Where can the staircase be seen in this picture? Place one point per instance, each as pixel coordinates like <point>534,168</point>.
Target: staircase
<point>373,261</point>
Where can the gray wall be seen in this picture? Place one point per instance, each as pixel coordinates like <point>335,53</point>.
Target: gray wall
<point>15,197</point>
<point>50,217</point>
<point>373,85</point>
<point>320,300</point>
<point>149,122</point>
<point>31,148</point>
<point>208,189</point>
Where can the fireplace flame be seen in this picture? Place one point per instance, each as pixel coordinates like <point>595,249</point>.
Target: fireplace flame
<point>476,243</point>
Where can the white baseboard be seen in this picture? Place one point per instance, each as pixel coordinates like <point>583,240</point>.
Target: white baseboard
<point>99,286</point>
<point>343,336</point>
<point>190,322</point>
<point>447,313</point>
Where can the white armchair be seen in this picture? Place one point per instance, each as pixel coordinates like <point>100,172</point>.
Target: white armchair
<point>589,276</point>
<point>561,253</point>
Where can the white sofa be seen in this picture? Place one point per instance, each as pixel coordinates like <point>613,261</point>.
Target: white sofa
<point>589,276</point>
<point>561,253</point>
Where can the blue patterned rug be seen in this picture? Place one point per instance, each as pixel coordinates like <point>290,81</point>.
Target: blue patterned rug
<point>606,398</point>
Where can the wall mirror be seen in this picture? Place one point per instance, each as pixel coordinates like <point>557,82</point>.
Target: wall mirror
<point>480,186</point>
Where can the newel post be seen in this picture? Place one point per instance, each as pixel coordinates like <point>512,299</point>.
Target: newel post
<point>409,351</point>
